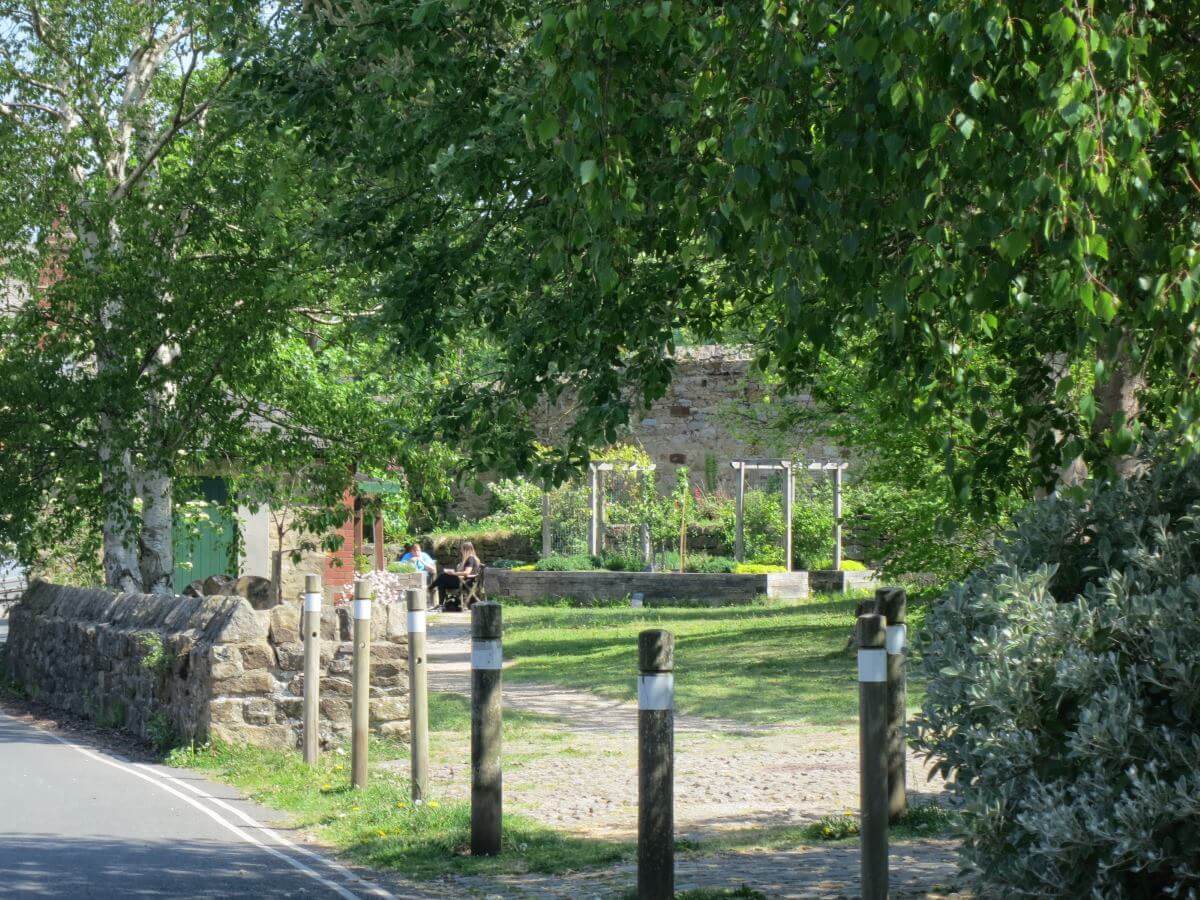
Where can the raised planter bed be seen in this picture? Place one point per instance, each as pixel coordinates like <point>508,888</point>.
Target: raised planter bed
<point>840,582</point>
<point>653,586</point>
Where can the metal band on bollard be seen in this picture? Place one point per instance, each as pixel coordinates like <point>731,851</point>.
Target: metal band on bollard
<point>487,657</point>
<point>656,765</point>
<point>873,781</point>
<point>893,603</point>
<point>418,685</point>
<point>360,711</point>
<point>310,624</point>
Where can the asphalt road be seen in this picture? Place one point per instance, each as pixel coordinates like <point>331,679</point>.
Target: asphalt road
<point>77,821</point>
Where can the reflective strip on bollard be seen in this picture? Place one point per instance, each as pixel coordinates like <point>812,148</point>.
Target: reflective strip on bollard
<point>486,655</point>
<point>896,638</point>
<point>312,602</point>
<point>416,621</point>
<point>872,665</point>
<point>656,691</point>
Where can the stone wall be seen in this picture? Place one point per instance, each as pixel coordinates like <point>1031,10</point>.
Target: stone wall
<point>197,668</point>
<point>653,586</point>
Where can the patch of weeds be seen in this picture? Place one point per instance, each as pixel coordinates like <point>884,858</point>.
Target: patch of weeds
<point>923,820</point>
<point>8,685</point>
<point>379,826</point>
<point>161,733</point>
<point>831,828</point>
<point>927,820</point>
<point>111,715</point>
<point>154,653</point>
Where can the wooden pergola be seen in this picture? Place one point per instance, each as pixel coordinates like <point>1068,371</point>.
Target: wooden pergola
<point>596,506</point>
<point>788,467</point>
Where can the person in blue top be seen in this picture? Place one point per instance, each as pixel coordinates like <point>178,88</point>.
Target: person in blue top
<point>420,560</point>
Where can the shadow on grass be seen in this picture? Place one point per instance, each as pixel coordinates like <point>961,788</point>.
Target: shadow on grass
<point>758,664</point>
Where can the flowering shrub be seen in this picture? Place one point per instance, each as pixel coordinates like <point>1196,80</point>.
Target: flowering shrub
<point>1064,695</point>
<point>386,587</point>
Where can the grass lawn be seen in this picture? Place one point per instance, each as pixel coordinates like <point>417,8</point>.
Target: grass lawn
<point>380,826</point>
<point>762,663</point>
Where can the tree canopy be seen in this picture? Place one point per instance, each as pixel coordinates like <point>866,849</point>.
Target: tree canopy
<point>171,319</point>
<point>993,203</point>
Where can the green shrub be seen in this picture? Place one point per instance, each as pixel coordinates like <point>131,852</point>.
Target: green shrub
<point>579,562</point>
<point>401,568</point>
<point>506,564</point>
<point>756,569</point>
<point>1064,695</point>
<point>848,565</point>
<point>711,564</point>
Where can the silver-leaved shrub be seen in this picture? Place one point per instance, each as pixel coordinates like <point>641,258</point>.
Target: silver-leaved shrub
<point>1063,699</point>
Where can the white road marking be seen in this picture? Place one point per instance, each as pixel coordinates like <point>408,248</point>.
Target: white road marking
<point>250,820</point>
<point>235,829</point>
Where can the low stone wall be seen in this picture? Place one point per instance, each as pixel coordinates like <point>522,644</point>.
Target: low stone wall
<point>840,582</point>
<point>653,586</point>
<point>199,668</point>
<point>496,545</point>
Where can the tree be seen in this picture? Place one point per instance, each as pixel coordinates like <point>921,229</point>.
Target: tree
<point>950,183</point>
<point>174,320</point>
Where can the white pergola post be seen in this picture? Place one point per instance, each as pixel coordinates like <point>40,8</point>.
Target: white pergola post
<point>837,519</point>
<point>597,502</point>
<point>547,537</point>
<point>739,544</point>
<point>789,496</point>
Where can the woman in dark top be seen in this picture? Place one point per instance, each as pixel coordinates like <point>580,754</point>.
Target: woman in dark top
<point>469,567</point>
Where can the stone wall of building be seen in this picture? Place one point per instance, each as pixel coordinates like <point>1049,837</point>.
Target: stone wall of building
<point>701,422</point>
<point>200,668</point>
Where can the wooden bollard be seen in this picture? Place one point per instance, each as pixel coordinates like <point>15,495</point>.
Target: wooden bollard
<point>418,696</point>
<point>310,623</point>
<point>360,710</point>
<point>872,731</point>
<point>656,765</point>
<point>487,657</point>
<point>894,606</point>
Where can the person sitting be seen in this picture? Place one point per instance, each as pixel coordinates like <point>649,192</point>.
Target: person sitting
<point>455,579</point>
<point>419,560</point>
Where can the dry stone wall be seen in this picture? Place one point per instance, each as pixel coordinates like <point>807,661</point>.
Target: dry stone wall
<point>200,668</point>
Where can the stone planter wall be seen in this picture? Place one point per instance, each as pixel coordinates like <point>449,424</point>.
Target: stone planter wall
<point>199,667</point>
<point>840,582</point>
<point>653,586</point>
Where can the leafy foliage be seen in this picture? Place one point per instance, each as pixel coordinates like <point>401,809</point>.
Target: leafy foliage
<point>1063,698</point>
<point>996,203</point>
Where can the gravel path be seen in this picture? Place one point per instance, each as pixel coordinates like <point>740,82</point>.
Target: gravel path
<point>729,777</point>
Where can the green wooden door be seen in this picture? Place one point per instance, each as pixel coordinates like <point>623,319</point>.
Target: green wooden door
<point>205,535</point>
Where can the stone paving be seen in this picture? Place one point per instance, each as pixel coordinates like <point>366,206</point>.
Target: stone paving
<point>730,777</point>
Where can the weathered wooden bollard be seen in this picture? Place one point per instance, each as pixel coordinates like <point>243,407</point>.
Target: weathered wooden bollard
<point>418,695</point>
<point>656,765</point>
<point>487,656</point>
<point>310,623</point>
<point>360,709</point>
<point>894,605</point>
<point>872,730</point>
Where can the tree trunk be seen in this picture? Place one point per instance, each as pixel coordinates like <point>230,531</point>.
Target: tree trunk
<point>121,571</point>
<point>1118,402</point>
<point>277,572</point>
<point>155,550</point>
